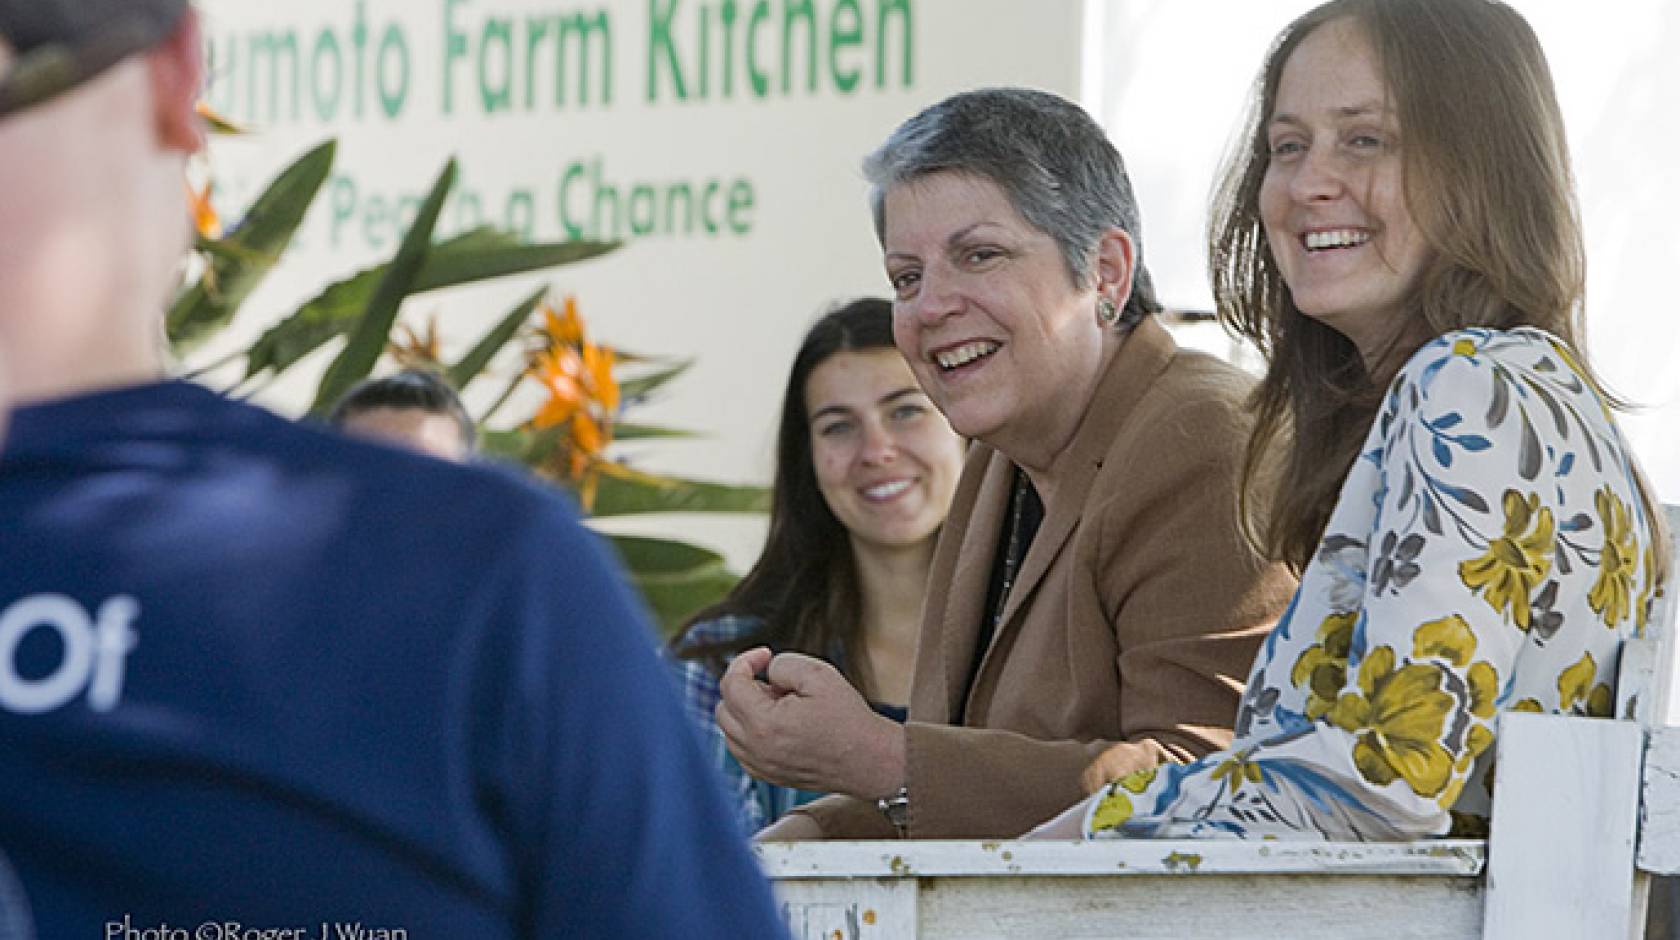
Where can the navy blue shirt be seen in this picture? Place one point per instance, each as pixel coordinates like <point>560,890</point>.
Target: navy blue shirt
<point>254,673</point>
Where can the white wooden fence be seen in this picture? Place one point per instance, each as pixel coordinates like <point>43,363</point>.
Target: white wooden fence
<point>1586,811</point>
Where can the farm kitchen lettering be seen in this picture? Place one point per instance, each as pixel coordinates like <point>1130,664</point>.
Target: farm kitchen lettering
<point>553,59</point>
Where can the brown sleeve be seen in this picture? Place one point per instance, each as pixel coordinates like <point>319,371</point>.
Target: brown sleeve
<point>847,817</point>
<point>1188,603</point>
<point>1196,600</point>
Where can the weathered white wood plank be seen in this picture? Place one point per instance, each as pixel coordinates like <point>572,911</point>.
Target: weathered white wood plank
<point>850,909</point>
<point>794,860</point>
<point>1659,809</point>
<point>1560,860</point>
<point>1156,907</point>
<point>1663,624</point>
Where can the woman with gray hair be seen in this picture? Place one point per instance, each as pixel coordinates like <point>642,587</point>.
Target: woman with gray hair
<point>1091,592</point>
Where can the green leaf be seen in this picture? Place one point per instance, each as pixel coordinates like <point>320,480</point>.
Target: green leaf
<point>618,497</point>
<point>486,348</point>
<point>637,387</point>
<point>522,445</point>
<point>655,558</point>
<point>637,432</point>
<point>477,255</point>
<point>373,330</point>
<point>240,261</point>
<point>675,578</point>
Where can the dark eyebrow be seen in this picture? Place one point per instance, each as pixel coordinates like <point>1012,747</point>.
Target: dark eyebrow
<point>953,240</point>
<point>839,410</point>
<point>886,399</point>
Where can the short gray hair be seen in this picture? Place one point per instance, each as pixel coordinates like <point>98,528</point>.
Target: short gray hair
<point>1052,161</point>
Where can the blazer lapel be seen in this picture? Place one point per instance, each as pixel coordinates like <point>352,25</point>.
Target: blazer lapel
<point>961,606</point>
<point>1142,357</point>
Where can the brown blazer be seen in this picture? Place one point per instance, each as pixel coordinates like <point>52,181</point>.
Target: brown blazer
<point>1136,616</point>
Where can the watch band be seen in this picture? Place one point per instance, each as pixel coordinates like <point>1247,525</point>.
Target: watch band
<point>897,809</point>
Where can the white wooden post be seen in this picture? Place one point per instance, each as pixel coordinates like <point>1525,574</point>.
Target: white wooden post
<point>1561,849</point>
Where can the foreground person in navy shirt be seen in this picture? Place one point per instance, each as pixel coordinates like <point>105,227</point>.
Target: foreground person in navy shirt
<point>259,680</point>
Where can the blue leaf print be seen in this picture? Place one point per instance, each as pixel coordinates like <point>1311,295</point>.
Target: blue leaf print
<point>1442,455</point>
<point>1290,722</point>
<point>1447,421</point>
<point>1577,523</point>
<point>1428,374</point>
<point>1318,787</point>
<point>1281,631</point>
<point>1175,774</point>
<point>1475,443</point>
<point>1566,464</point>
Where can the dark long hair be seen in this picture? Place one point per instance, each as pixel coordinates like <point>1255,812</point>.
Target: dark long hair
<point>804,585</point>
<point>1487,181</point>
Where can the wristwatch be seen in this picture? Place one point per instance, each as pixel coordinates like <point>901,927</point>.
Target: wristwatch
<point>897,809</point>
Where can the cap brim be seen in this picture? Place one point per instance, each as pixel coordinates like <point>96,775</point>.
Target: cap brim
<point>51,69</point>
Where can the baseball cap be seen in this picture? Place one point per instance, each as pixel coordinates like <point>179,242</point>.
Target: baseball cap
<point>58,44</point>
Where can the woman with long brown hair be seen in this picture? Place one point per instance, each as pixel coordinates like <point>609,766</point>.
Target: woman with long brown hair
<point>1400,239</point>
<point>865,469</point>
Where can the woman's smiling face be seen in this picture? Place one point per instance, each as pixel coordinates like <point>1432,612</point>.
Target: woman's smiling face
<point>1333,199</point>
<point>987,314</point>
<point>885,461</point>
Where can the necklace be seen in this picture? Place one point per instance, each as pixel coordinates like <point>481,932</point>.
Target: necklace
<point>1012,551</point>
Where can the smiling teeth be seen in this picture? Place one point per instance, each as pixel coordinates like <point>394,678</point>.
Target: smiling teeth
<point>886,490</point>
<point>965,354</point>
<point>1340,238</point>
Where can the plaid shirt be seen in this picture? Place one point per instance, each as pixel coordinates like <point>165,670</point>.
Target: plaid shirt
<point>757,803</point>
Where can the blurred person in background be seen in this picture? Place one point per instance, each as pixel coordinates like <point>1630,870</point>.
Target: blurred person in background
<point>414,408</point>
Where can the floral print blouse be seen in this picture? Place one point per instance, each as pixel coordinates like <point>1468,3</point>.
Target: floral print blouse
<point>1488,551</point>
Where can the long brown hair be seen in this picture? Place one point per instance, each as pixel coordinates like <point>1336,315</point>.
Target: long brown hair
<point>1486,174</point>
<point>804,586</point>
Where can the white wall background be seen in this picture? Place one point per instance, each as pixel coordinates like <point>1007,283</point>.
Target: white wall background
<point>737,304</point>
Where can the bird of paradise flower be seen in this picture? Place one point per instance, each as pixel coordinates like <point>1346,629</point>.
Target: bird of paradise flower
<point>583,399</point>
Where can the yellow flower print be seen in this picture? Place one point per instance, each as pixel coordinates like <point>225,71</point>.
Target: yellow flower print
<point>1402,715</point>
<point>1449,638</point>
<point>1517,561</point>
<point>1322,667</point>
<point>1611,596</point>
<point>1454,787</point>
<point>1138,780</point>
<point>1114,809</point>
<point>1234,770</point>
<point>1464,347</point>
<point>1478,740</point>
<point>1642,610</point>
<point>1529,705</point>
<point>1575,686</point>
<point>1484,689</point>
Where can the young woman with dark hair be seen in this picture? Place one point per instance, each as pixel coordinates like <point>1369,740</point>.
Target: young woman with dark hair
<point>865,469</point>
